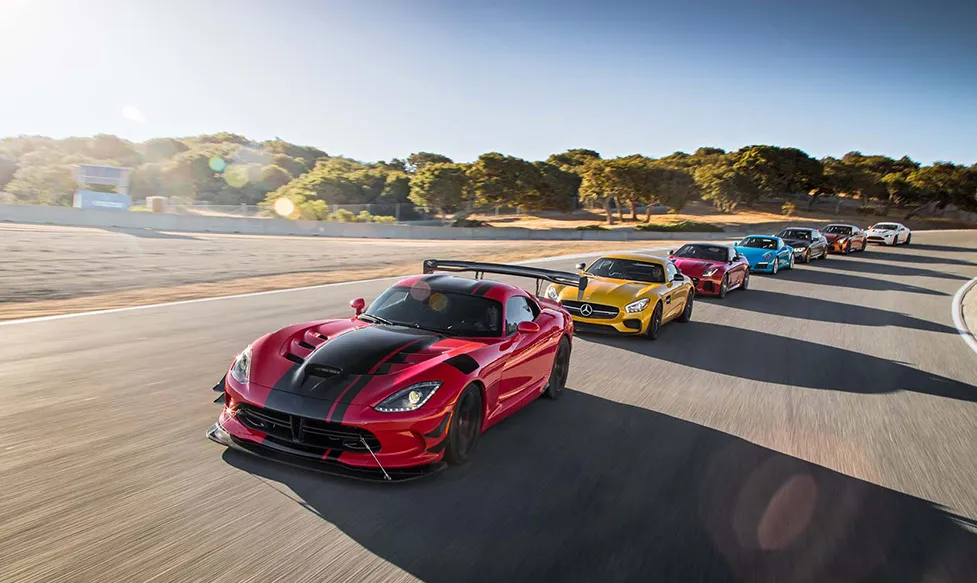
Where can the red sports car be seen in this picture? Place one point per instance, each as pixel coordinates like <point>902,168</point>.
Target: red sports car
<point>714,269</point>
<point>405,386</point>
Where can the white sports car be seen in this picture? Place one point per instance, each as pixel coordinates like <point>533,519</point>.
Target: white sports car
<point>889,234</point>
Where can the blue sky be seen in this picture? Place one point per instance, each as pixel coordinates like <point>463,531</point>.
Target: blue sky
<point>374,80</point>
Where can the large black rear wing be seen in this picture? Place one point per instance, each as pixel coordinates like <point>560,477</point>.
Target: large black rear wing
<point>479,269</point>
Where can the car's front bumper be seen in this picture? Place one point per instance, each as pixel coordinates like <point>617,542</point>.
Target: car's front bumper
<point>881,239</point>
<point>708,286</point>
<point>406,445</point>
<point>763,266</point>
<point>837,246</point>
<point>623,323</point>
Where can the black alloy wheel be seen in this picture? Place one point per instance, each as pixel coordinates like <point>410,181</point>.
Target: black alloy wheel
<point>687,312</point>
<point>561,369</point>
<point>655,325</point>
<point>465,426</point>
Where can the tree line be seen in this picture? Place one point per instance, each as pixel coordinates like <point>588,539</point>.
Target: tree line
<point>230,169</point>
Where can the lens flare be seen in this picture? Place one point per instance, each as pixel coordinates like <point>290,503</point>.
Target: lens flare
<point>217,164</point>
<point>438,302</point>
<point>420,291</point>
<point>284,207</point>
<point>236,175</point>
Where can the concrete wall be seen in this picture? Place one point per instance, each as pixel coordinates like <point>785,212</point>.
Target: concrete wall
<point>73,217</point>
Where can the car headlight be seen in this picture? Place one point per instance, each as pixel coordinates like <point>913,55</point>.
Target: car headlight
<point>409,399</point>
<point>710,271</point>
<point>551,293</point>
<point>635,307</point>
<point>241,369</point>
<point>767,255</point>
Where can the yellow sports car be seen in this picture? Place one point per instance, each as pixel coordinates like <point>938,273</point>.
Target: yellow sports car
<point>630,293</point>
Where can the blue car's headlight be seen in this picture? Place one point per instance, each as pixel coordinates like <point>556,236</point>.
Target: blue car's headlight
<point>409,399</point>
<point>767,255</point>
<point>241,369</point>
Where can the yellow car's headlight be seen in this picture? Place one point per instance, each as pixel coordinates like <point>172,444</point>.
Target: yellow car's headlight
<point>551,293</point>
<point>635,307</point>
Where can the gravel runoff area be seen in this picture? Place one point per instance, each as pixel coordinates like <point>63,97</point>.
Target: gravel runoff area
<point>51,270</point>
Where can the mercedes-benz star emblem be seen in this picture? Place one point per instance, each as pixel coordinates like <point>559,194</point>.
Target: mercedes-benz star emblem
<point>586,310</point>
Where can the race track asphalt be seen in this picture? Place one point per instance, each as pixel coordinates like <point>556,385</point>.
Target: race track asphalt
<point>821,426</point>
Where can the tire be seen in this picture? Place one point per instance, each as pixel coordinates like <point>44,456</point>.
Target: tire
<point>806,258</point>
<point>824,253</point>
<point>687,312</point>
<point>464,427</point>
<point>746,281</point>
<point>790,262</point>
<point>909,238</point>
<point>655,325</point>
<point>848,248</point>
<point>723,287</point>
<point>776,265</point>
<point>864,245</point>
<point>559,372</point>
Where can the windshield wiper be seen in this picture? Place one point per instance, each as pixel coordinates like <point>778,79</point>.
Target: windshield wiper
<point>375,319</point>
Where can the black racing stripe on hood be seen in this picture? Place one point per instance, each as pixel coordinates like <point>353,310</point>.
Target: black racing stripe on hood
<point>464,363</point>
<point>330,371</point>
<point>340,411</point>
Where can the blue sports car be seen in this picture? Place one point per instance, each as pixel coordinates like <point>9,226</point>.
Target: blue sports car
<point>766,253</point>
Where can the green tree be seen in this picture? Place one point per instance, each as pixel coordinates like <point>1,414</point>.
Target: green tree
<point>53,185</point>
<point>8,166</point>
<point>778,170</point>
<point>573,160</point>
<point>160,149</point>
<point>554,188</point>
<point>500,180</point>
<point>439,186</point>
<point>725,186</point>
<point>599,184</point>
<point>418,160</point>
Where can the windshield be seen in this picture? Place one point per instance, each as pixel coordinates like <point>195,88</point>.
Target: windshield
<point>452,313</point>
<point>886,227</point>
<point>707,252</point>
<point>795,234</point>
<point>759,243</point>
<point>628,269</point>
<point>838,230</point>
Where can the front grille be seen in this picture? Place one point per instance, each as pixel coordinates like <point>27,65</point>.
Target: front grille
<point>596,328</point>
<point>708,287</point>
<point>633,324</point>
<point>761,265</point>
<point>877,239</point>
<point>601,311</point>
<point>312,436</point>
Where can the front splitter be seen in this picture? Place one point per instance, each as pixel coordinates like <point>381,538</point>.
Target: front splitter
<point>220,435</point>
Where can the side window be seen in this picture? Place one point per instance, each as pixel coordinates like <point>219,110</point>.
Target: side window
<point>517,309</point>
<point>670,271</point>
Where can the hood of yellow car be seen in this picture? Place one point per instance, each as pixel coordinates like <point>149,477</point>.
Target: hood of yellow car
<point>614,292</point>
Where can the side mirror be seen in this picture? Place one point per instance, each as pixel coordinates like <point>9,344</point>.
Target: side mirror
<point>581,266</point>
<point>679,277</point>
<point>672,252</point>
<point>527,328</point>
<point>358,305</point>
